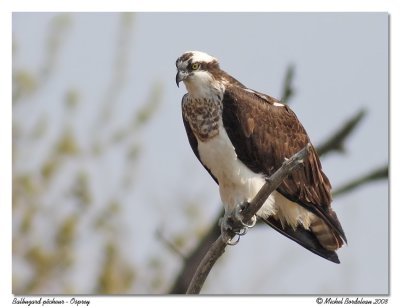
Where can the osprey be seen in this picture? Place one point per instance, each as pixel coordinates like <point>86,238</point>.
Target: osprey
<point>242,136</point>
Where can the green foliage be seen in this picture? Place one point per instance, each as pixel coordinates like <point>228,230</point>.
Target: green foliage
<point>72,99</point>
<point>53,200</point>
<point>50,167</point>
<point>81,190</point>
<point>67,231</point>
<point>142,116</point>
<point>67,144</point>
<point>24,84</point>
<point>116,276</point>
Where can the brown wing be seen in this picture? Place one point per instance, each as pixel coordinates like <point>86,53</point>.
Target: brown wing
<point>263,135</point>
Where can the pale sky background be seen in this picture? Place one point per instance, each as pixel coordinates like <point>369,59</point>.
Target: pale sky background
<point>341,63</point>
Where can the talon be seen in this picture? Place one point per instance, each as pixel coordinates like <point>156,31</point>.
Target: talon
<point>237,212</point>
<point>238,216</point>
<point>225,224</point>
<point>243,206</point>
<point>242,231</point>
<point>226,229</point>
<point>227,238</point>
<point>232,223</point>
<point>253,222</point>
<point>230,242</point>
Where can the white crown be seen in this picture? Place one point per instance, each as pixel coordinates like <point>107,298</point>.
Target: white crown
<point>199,56</point>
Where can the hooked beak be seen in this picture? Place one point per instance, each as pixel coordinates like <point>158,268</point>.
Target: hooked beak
<point>180,76</point>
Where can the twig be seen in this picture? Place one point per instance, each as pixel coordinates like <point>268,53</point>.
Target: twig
<point>218,247</point>
<point>377,174</point>
<point>288,90</point>
<point>169,244</point>
<point>193,260</point>
<point>336,141</point>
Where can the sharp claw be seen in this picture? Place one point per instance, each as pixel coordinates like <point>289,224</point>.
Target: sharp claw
<point>242,231</point>
<point>253,222</point>
<point>230,242</point>
<point>229,224</point>
<point>226,228</point>
<point>239,217</point>
<point>225,224</point>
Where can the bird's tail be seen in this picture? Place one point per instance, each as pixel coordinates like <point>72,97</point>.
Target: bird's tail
<point>326,236</point>
<point>304,237</point>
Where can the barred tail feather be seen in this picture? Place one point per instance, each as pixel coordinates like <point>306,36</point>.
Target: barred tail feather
<point>305,238</point>
<point>328,238</point>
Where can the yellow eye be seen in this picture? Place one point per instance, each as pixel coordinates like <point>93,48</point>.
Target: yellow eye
<point>195,66</point>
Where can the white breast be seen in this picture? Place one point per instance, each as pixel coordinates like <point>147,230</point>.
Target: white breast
<point>238,184</point>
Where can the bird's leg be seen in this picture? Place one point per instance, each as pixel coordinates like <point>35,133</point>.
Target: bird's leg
<point>232,224</point>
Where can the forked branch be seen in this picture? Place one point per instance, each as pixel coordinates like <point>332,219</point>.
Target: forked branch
<point>218,247</point>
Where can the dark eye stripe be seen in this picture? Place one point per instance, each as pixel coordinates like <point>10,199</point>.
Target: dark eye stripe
<point>202,65</point>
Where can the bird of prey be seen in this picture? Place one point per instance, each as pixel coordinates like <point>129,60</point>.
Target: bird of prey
<point>241,137</point>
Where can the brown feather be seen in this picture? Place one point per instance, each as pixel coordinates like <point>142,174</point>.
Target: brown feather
<point>263,135</point>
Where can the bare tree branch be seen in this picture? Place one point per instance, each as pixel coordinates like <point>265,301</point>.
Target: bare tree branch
<point>374,175</point>
<point>168,243</point>
<point>192,261</point>
<point>336,141</point>
<point>218,247</point>
<point>288,90</point>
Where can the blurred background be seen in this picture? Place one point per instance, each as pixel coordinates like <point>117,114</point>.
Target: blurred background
<point>108,197</point>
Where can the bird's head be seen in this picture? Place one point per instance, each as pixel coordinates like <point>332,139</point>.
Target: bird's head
<point>196,69</point>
